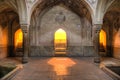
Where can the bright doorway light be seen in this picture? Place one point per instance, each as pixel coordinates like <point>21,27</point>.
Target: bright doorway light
<point>18,38</point>
<point>102,39</point>
<point>60,40</point>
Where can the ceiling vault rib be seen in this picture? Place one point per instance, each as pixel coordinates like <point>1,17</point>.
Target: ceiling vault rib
<point>77,6</point>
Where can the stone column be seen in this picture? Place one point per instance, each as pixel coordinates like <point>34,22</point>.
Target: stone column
<point>25,30</point>
<point>96,31</point>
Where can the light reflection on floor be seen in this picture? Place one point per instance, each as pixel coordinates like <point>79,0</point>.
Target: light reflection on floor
<point>64,68</point>
<point>61,65</point>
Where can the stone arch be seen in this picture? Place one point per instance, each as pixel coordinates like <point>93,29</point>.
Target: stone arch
<point>8,4</point>
<point>102,6</point>
<point>9,20</point>
<point>83,2</point>
<point>42,29</point>
<point>22,10</point>
<point>111,22</point>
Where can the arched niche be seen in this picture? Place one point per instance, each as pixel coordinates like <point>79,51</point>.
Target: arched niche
<point>81,5</point>
<point>45,20</point>
<point>60,41</point>
<point>102,39</point>
<point>9,20</point>
<point>18,42</point>
<point>111,24</point>
<point>102,42</point>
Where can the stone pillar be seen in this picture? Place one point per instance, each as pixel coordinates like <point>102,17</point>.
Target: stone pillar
<point>25,30</point>
<point>96,31</point>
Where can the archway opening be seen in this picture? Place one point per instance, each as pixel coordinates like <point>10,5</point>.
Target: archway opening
<point>18,40</point>
<point>102,39</point>
<point>60,41</point>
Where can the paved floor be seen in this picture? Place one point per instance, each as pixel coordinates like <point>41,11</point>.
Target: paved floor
<point>107,61</point>
<point>63,68</point>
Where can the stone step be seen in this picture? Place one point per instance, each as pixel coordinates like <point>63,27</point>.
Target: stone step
<point>59,54</point>
<point>60,50</point>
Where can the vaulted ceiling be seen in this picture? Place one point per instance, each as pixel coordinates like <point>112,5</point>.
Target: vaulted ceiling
<point>76,6</point>
<point>112,15</point>
<point>8,13</point>
<point>8,4</point>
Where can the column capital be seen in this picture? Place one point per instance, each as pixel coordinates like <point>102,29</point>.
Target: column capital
<point>98,24</point>
<point>97,21</point>
<point>97,27</point>
<point>24,27</point>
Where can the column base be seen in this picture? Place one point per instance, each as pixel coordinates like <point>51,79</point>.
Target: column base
<point>24,60</point>
<point>97,60</point>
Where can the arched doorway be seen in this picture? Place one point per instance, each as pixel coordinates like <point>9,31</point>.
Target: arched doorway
<point>18,42</point>
<point>102,42</point>
<point>60,42</point>
<point>102,37</point>
<point>45,22</point>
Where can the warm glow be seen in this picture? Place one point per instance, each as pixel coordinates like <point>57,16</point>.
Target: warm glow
<point>3,42</point>
<point>61,65</point>
<point>116,44</point>
<point>60,34</point>
<point>102,38</point>
<point>117,39</point>
<point>18,38</point>
<point>60,41</point>
<point>4,37</point>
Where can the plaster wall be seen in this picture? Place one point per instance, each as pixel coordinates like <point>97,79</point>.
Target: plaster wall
<point>78,29</point>
<point>3,42</point>
<point>116,44</point>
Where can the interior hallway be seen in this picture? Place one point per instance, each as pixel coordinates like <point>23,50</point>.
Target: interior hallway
<point>61,68</point>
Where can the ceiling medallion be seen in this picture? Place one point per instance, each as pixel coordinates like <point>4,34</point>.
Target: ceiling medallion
<point>60,17</point>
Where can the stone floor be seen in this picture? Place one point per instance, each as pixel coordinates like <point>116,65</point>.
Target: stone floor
<point>11,62</point>
<point>61,68</point>
<point>110,62</point>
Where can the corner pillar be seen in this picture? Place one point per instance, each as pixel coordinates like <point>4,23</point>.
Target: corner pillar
<point>96,31</point>
<point>25,30</point>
